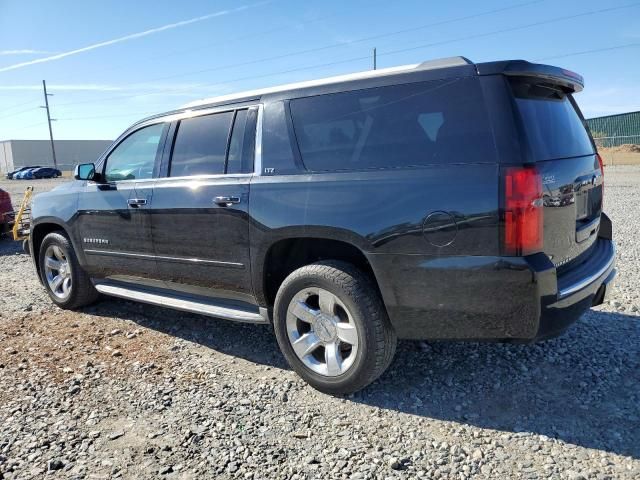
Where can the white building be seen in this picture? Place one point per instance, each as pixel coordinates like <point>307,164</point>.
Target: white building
<point>22,153</point>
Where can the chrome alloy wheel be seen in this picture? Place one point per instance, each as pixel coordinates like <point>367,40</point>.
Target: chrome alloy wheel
<point>322,332</point>
<point>57,270</point>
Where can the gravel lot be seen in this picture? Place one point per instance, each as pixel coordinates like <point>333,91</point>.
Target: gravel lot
<point>126,390</point>
<point>16,188</point>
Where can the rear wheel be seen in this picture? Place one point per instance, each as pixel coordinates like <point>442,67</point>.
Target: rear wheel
<point>332,327</point>
<point>66,282</point>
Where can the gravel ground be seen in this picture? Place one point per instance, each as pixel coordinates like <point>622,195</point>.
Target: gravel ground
<point>126,390</point>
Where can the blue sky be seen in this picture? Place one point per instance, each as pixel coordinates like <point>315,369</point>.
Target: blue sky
<point>111,63</point>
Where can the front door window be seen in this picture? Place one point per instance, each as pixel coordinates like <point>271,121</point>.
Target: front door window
<point>134,158</point>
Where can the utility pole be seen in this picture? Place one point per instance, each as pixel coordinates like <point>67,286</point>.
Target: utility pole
<point>374,58</point>
<point>49,120</point>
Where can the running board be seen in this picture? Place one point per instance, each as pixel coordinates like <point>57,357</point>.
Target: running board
<point>204,308</point>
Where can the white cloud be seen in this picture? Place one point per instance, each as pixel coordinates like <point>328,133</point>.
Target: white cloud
<point>24,51</point>
<point>126,38</point>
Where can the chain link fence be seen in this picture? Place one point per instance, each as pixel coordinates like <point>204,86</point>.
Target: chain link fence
<point>615,141</point>
<point>618,149</point>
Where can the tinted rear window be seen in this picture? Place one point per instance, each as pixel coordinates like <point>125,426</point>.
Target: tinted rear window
<point>551,123</point>
<point>200,145</point>
<point>396,126</point>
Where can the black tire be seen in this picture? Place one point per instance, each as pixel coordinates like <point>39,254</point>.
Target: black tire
<point>376,337</point>
<point>82,290</point>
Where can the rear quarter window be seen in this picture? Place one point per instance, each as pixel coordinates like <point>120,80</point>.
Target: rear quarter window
<point>550,119</point>
<point>426,123</point>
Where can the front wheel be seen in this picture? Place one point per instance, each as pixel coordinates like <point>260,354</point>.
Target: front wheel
<point>66,282</point>
<point>332,327</point>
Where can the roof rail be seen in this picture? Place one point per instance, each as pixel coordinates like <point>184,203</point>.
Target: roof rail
<point>428,65</point>
<point>444,63</point>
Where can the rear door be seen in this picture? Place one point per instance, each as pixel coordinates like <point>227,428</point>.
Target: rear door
<point>200,206</point>
<point>572,180</point>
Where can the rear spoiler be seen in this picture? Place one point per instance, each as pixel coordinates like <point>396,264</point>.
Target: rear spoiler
<point>521,68</point>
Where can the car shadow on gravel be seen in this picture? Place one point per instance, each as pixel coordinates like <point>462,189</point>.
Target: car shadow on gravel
<point>9,247</point>
<point>582,388</point>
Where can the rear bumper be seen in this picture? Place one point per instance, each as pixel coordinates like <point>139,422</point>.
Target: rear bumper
<point>519,299</point>
<point>587,285</point>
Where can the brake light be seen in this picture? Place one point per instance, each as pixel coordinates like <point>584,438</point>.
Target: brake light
<point>602,172</point>
<point>523,211</point>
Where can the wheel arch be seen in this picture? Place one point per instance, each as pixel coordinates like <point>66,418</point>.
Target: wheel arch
<point>300,251</point>
<point>41,230</point>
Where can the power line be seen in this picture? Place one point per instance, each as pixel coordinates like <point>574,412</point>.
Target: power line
<point>140,114</point>
<point>72,119</point>
<point>29,126</point>
<point>348,42</point>
<point>402,50</point>
<point>595,50</point>
<point>392,52</point>
<point>348,60</point>
<point>129,37</point>
<point>212,44</point>
<point>339,44</point>
<point>353,59</point>
<point>512,29</point>
<point>135,95</point>
<point>18,105</point>
<point>317,49</point>
<point>15,114</point>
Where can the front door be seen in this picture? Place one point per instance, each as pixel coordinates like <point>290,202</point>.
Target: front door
<point>113,223</point>
<point>200,214</point>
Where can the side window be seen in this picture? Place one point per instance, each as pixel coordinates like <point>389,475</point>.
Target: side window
<point>276,142</point>
<point>236,145</point>
<point>134,158</point>
<point>406,125</point>
<point>200,145</point>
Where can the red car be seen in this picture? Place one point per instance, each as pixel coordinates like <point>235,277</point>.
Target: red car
<point>5,207</point>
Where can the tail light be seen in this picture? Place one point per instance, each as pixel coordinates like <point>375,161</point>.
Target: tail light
<point>602,172</point>
<point>523,211</point>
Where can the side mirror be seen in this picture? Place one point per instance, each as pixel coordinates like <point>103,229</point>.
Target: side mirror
<point>84,171</point>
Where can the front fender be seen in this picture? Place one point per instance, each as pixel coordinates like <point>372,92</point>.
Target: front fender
<point>45,225</point>
<point>55,210</point>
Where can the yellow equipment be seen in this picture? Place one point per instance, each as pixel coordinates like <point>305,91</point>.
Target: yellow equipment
<point>22,220</point>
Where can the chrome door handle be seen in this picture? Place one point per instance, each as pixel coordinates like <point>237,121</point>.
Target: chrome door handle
<point>226,201</point>
<point>136,202</point>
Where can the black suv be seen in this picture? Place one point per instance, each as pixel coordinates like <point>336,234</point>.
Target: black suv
<point>443,200</point>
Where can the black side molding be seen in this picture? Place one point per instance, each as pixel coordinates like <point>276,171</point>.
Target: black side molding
<point>606,228</point>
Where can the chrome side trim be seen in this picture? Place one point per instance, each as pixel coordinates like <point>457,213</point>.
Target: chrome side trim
<point>257,161</point>
<point>185,305</point>
<point>585,282</point>
<point>190,113</point>
<point>196,261</point>
<point>125,182</point>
